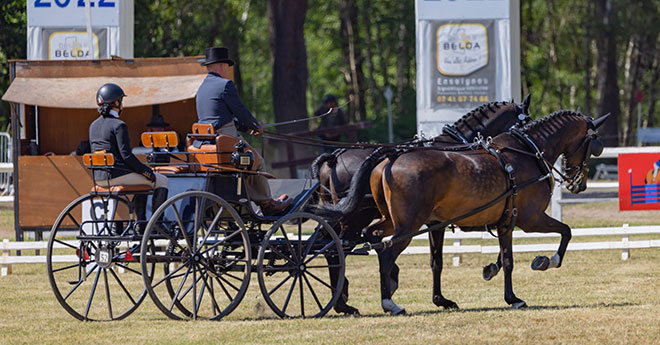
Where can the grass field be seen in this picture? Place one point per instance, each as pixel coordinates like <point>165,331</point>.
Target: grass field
<point>593,298</point>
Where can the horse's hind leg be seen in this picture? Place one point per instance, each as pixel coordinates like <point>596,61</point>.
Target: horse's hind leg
<point>546,224</point>
<point>436,241</point>
<point>506,251</point>
<point>389,276</point>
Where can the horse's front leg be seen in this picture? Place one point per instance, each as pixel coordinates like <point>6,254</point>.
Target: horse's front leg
<point>436,241</point>
<point>548,224</point>
<point>492,269</point>
<point>504,235</point>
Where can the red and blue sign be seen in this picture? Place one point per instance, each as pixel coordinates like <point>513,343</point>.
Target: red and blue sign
<point>639,181</point>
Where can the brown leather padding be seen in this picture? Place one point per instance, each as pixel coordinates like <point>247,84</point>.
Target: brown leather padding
<point>202,128</point>
<point>171,169</point>
<point>212,157</point>
<point>122,188</point>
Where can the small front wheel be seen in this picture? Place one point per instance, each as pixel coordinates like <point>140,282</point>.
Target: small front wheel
<point>294,263</point>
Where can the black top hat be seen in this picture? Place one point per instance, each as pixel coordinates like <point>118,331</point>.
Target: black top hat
<point>215,55</point>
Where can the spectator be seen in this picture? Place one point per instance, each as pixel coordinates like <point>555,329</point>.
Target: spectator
<point>336,118</point>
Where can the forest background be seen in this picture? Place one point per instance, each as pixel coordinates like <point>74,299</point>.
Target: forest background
<point>599,55</point>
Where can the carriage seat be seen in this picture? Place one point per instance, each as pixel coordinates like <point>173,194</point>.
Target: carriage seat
<point>162,143</point>
<point>105,161</point>
<point>212,156</point>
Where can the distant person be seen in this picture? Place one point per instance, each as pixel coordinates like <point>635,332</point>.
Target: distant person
<point>336,118</point>
<point>218,104</point>
<point>156,124</point>
<point>109,134</point>
<point>82,149</point>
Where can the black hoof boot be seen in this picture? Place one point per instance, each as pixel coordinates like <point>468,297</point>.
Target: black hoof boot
<point>490,271</point>
<point>445,303</point>
<point>519,305</point>
<point>344,308</point>
<point>540,263</point>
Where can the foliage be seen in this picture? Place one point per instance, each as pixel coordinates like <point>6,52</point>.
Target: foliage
<point>13,32</point>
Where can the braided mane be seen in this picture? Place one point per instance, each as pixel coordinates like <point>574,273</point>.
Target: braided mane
<point>483,110</point>
<point>548,125</point>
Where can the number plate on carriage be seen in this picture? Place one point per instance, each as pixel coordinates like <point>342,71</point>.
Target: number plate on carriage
<point>104,257</point>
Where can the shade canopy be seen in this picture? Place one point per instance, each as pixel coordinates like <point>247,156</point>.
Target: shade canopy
<point>80,93</point>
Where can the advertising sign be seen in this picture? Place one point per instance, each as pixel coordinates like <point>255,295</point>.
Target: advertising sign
<point>69,45</point>
<point>639,181</point>
<point>65,13</point>
<point>468,54</point>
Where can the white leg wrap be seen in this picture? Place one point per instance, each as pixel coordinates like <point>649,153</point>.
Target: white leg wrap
<point>555,260</point>
<point>389,306</point>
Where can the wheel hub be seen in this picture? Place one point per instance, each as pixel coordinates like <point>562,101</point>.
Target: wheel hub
<point>104,257</point>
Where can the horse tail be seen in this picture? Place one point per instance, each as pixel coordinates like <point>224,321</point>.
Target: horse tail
<point>318,162</point>
<point>357,189</point>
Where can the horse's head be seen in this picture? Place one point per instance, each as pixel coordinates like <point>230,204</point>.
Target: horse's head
<point>576,156</point>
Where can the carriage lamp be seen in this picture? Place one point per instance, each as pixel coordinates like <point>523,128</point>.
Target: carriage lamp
<point>241,158</point>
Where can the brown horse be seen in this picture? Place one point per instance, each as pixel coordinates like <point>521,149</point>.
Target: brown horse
<point>426,186</point>
<point>335,170</point>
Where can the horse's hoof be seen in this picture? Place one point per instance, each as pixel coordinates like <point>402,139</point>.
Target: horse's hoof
<point>540,263</point>
<point>346,309</point>
<point>490,271</point>
<point>445,303</point>
<point>400,312</point>
<point>519,305</point>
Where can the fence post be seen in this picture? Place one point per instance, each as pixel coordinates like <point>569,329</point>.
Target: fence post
<point>458,258</point>
<point>625,252</point>
<point>555,199</point>
<point>5,269</point>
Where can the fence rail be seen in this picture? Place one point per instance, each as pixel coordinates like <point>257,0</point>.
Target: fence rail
<point>457,249</point>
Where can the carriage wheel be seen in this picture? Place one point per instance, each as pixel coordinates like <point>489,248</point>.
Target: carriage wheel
<point>203,259</point>
<point>95,279</point>
<point>293,265</point>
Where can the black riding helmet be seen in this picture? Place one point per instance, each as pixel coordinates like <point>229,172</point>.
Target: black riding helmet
<point>107,95</point>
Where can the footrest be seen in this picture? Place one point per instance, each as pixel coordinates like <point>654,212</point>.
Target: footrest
<point>172,169</point>
<point>123,188</point>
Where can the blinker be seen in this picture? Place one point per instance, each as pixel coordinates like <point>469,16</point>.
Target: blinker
<point>596,147</point>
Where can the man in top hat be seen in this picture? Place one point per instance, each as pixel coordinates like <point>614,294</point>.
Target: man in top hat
<point>336,118</point>
<point>218,104</point>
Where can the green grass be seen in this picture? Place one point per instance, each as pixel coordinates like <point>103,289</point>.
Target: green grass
<point>594,298</point>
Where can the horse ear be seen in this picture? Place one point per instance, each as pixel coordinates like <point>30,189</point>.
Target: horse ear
<point>525,103</point>
<point>599,121</point>
<point>579,111</point>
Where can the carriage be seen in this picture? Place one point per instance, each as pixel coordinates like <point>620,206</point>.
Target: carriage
<point>196,254</point>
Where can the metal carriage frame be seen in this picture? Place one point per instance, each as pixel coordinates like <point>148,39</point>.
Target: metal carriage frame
<point>196,254</point>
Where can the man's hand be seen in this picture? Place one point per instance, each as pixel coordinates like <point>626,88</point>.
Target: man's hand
<point>149,174</point>
<point>257,132</point>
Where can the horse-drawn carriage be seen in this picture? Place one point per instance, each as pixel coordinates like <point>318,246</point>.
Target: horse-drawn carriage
<point>198,250</point>
<point>196,254</point>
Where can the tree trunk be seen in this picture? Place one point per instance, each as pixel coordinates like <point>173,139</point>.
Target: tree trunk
<point>588,58</point>
<point>372,92</point>
<point>608,84</point>
<point>348,14</point>
<point>652,89</point>
<point>289,60</point>
<point>402,61</point>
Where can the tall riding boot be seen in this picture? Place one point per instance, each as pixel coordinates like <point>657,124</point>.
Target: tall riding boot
<point>158,198</point>
<point>140,204</point>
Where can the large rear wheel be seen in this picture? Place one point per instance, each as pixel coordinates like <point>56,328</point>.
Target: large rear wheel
<point>203,260</point>
<point>93,259</point>
<point>293,266</point>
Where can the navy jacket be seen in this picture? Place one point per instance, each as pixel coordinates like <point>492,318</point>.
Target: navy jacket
<point>111,134</point>
<point>218,104</point>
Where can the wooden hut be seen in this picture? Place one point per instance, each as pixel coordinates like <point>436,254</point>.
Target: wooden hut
<point>53,104</point>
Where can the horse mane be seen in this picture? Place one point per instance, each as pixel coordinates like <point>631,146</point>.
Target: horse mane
<point>548,125</point>
<point>482,110</point>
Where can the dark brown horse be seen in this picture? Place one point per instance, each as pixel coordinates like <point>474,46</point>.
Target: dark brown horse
<point>335,170</point>
<point>426,186</point>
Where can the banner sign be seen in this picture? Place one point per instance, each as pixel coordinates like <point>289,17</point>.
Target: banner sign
<point>71,46</point>
<point>639,181</point>
<point>66,13</point>
<point>463,76</point>
<point>468,54</point>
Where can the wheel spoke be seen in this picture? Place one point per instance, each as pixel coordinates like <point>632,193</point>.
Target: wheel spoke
<point>125,266</point>
<point>224,239</point>
<point>107,292</point>
<point>289,244</point>
<point>310,242</point>
<point>65,268</point>
<point>178,290</point>
<point>321,281</point>
<point>280,254</point>
<point>112,272</point>
<point>212,295</point>
<point>288,297</point>
<point>170,275</point>
<point>65,244</point>
<point>272,291</point>
<point>74,221</point>
<point>91,294</point>
<point>325,248</point>
<point>318,303</point>
<point>183,228</point>
<point>224,288</point>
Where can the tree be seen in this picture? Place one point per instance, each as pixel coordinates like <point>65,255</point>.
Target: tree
<point>289,60</point>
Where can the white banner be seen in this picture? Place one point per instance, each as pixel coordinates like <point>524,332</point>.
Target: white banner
<point>462,9</point>
<point>67,13</point>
